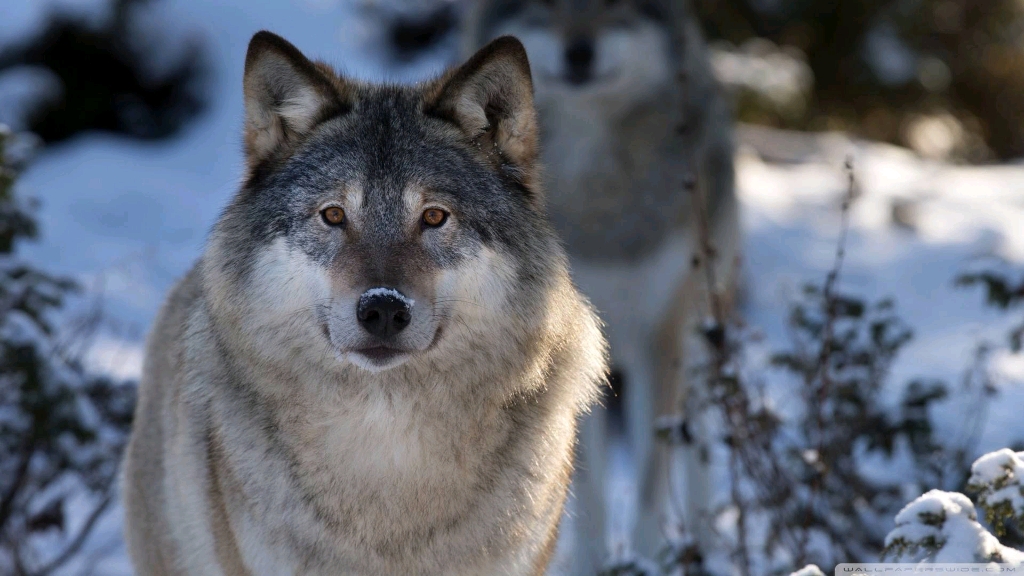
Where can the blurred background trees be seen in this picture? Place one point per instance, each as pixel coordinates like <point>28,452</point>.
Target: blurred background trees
<point>945,77</point>
<point>62,429</point>
<point>118,73</point>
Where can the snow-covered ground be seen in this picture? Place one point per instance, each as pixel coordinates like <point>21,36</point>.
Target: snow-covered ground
<point>128,218</point>
<point>948,219</point>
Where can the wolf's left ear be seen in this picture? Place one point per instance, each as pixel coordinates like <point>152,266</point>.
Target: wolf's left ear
<point>286,95</point>
<point>490,98</point>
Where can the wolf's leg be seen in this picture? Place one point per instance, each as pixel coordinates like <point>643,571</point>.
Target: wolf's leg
<point>588,502</point>
<point>640,409</point>
<point>681,477</point>
<point>692,460</point>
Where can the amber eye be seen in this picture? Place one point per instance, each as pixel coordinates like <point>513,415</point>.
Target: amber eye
<point>333,215</point>
<point>434,217</point>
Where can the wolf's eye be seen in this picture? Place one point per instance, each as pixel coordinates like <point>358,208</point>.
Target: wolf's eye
<point>434,217</point>
<point>333,216</point>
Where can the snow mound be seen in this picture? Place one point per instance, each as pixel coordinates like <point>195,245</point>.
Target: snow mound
<point>1001,466</point>
<point>809,570</point>
<point>943,527</point>
<point>996,478</point>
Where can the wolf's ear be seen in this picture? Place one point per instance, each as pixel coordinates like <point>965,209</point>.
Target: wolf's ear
<point>490,98</point>
<point>286,95</point>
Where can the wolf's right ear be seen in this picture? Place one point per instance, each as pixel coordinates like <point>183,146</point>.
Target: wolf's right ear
<point>490,98</point>
<point>286,95</point>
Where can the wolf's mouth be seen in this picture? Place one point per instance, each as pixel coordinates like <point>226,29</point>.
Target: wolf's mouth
<point>376,355</point>
<point>379,354</point>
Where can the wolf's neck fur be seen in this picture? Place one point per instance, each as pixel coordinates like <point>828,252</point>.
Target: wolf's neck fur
<point>404,451</point>
<point>613,174</point>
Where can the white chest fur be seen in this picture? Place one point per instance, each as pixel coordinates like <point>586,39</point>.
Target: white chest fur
<point>634,297</point>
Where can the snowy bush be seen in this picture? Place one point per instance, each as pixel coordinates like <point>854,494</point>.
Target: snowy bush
<point>920,526</point>
<point>800,475</point>
<point>61,429</point>
<point>943,527</point>
<point>800,491</point>
<point>996,479</point>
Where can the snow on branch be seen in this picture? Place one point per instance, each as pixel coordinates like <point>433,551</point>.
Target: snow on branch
<point>943,527</point>
<point>996,479</point>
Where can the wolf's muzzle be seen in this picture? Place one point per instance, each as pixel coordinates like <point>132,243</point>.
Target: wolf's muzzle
<point>384,312</point>
<point>579,59</point>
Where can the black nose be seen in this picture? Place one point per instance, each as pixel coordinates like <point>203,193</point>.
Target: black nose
<point>579,58</point>
<point>383,312</point>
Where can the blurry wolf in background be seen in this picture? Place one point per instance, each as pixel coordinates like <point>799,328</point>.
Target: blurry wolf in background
<point>629,110</point>
<point>378,363</point>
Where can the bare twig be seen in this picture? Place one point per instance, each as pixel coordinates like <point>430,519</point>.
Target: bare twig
<point>828,292</point>
<point>821,377</point>
<point>707,253</point>
<point>715,336</point>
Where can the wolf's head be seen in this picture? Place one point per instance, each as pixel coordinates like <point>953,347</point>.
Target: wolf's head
<point>378,223</point>
<point>614,52</point>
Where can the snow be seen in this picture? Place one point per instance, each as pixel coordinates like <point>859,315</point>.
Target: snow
<point>783,77</point>
<point>22,18</point>
<point>809,570</point>
<point>129,218</point>
<point>936,504</point>
<point>959,217</point>
<point>947,519</point>
<point>390,292</point>
<point>996,477</point>
<point>1002,465</point>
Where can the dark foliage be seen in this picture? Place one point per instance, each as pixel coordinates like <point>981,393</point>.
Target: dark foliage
<point>61,429</point>
<point>843,374</point>
<point>108,81</point>
<point>966,58</point>
<point>1002,292</point>
<point>799,490</point>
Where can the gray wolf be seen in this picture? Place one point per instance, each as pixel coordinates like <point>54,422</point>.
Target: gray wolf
<point>629,111</point>
<point>378,362</point>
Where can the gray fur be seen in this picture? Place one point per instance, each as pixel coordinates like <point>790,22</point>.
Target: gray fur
<point>617,150</point>
<point>263,444</point>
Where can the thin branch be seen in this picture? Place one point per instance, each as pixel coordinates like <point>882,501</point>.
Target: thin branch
<point>822,373</point>
<point>828,292</point>
<point>707,249</point>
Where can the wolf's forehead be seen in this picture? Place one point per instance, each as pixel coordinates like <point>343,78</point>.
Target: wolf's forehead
<point>382,146</point>
<point>389,151</point>
<point>394,155</point>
